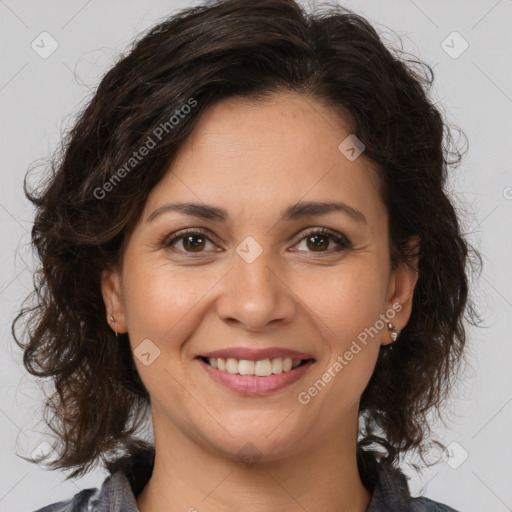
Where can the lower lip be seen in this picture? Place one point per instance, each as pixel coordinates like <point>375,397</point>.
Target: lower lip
<point>253,385</point>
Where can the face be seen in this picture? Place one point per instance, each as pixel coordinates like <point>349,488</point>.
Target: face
<point>286,257</point>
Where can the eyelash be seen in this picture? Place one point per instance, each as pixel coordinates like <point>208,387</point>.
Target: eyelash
<point>339,239</point>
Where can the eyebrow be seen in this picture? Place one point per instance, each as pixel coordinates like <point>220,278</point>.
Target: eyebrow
<point>294,212</point>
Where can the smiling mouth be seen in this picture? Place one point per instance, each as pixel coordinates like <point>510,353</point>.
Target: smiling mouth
<point>260,368</point>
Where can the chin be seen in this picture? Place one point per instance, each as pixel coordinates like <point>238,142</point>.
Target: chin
<point>252,445</point>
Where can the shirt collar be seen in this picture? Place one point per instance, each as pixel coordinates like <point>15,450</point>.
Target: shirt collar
<point>120,489</point>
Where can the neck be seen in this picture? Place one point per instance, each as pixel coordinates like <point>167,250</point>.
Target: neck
<point>189,476</point>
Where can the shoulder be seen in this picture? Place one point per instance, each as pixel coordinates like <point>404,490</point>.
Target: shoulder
<point>391,493</point>
<point>426,505</point>
<point>115,495</point>
<point>128,476</point>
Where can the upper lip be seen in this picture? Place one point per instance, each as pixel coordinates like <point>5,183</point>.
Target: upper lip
<point>252,354</point>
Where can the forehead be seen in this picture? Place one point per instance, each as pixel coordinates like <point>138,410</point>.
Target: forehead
<point>249,156</point>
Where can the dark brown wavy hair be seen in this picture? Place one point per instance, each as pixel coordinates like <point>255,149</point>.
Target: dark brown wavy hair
<point>250,49</point>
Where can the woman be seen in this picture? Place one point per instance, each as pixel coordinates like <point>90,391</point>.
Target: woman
<point>248,239</point>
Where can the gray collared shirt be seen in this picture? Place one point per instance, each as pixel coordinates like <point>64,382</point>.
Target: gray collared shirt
<point>390,494</point>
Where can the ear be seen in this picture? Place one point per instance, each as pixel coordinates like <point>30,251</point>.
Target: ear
<point>112,297</point>
<point>401,287</point>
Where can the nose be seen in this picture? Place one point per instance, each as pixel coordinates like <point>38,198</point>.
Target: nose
<point>255,295</point>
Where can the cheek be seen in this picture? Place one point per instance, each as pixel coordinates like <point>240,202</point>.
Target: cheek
<point>347,313</point>
<point>163,305</point>
<point>346,301</point>
<point>158,300</point>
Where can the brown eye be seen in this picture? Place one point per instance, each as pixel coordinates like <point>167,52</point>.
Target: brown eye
<point>320,242</point>
<point>188,242</point>
<point>193,243</point>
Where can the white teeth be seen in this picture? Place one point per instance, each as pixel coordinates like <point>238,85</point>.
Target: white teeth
<point>277,365</point>
<point>231,365</point>
<point>262,368</point>
<point>246,367</point>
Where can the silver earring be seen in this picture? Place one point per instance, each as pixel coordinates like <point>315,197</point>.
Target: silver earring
<point>394,331</point>
<point>113,320</point>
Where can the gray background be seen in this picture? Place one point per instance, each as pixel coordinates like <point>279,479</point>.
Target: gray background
<point>38,98</point>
